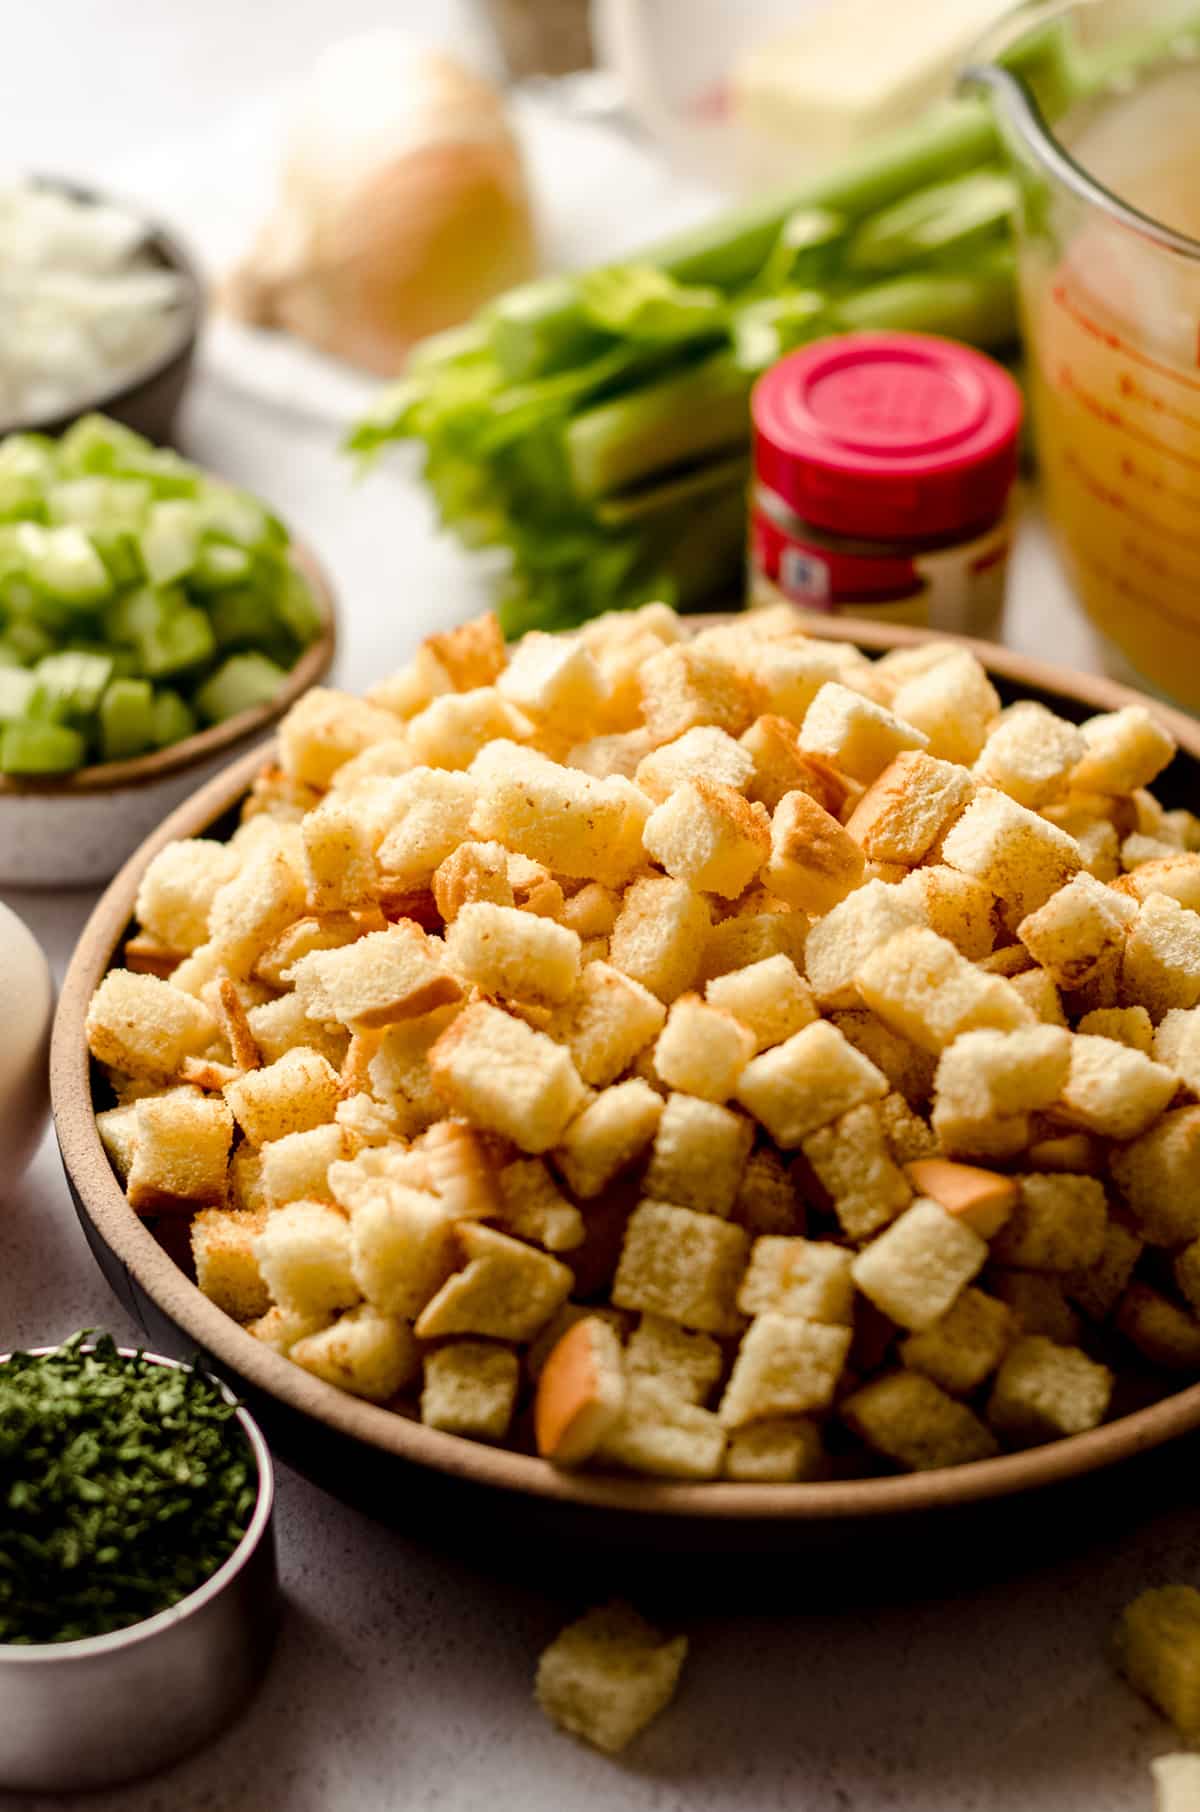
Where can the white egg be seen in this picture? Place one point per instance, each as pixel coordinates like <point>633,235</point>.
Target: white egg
<point>26,1009</point>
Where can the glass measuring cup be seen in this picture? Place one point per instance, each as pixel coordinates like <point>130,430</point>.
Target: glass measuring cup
<point>1110,301</point>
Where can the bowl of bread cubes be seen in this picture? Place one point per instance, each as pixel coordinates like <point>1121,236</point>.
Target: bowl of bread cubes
<point>723,1069</point>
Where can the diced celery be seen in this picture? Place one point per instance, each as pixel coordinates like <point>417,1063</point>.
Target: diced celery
<point>232,515</point>
<point>74,682</point>
<point>219,564</point>
<point>183,639</point>
<point>241,683</point>
<point>126,719</point>
<point>173,718</point>
<point>40,748</point>
<point>120,551</point>
<point>94,502</point>
<point>140,613</point>
<point>68,567</point>
<point>242,617</point>
<point>26,465</point>
<point>94,443</point>
<point>17,687</point>
<point>296,606</point>
<point>170,541</point>
<point>28,639</point>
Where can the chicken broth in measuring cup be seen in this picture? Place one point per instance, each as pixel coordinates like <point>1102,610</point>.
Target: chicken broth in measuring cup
<point>1112,318</point>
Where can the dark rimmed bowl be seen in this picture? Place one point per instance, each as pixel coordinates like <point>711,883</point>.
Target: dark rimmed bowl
<point>402,1471</point>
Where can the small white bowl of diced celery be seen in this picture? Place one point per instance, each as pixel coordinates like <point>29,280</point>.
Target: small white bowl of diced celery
<point>154,621</point>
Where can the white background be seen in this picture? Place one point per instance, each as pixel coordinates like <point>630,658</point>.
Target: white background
<point>402,1680</point>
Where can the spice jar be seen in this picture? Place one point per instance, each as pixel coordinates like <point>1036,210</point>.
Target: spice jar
<point>883,474</point>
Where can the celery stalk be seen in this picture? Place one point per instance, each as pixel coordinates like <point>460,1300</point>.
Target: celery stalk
<point>687,417</point>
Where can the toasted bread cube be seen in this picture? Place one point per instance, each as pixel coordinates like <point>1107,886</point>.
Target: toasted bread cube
<point>325,728</point>
<point>609,1135</point>
<point>180,1151</point>
<point>811,1079</point>
<point>698,1155</point>
<point>607,1021</point>
<point>814,863</point>
<point>534,1209</point>
<point>898,665</point>
<point>1038,1304</point>
<point>1098,1288</point>
<point>744,939</point>
<point>791,670</point>
<point>840,943</point>
<point>606,1676</point>
<point>379,761</point>
<point>909,1070</point>
<point>473,873</point>
<point>1041,996</point>
<point>620,753</point>
<point>705,753</point>
<point>1021,857</point>
<point>1139,851</point>
<point>908,807</point>
<point>281,1025</point>
<point>785,1366</point>
<point>1043,1391</point>
<point>304,1253</point>
<point>452,728</point>
<point>684,686</point>
<point>1176,1783</point>
<point>908,1136</point>
<point>1159,1176</point>
<point>403,1243</point>
<point>906,1417</point>
<point>145,1026</point>
<point>709,836</point>
<point>679,1361</point>
<point>683,1265</point>
<point>330,931</point>
<point>176,893</point>
<point>857,735</point>
<point>472,654</point>
<point>782,766</point>
<point>281,1328</point>
<point>1177,875</point>
<point>296,1092</point>
<point>920,986</point>
<point>658,939</point>
<point>659,1434</point>
<point>506,1077</point>
<point>1125,749</point>
<point>226,1263</point>
<point>980,1199</point>
<point>1009,960</point>
<point>955,905</point>
<point>809,1278</point>
<point>1058,1223</point>
<point>1157,1646</point>
<point>1130,1026</point>
<point>986,1076</point>
<point>1029,753</point>
<point>1112,1090</point>
<point>962,1348</point>
<point>339,863</point>
<point>554,678</point>
<point>589,829</point>
<point>779,1452</point>
<point>1161,1331</point>
<point>266,896</point>
<point>953,703</point>
<point>769,998</point>
<point>426,814</point>
<point>702,1050</point>
<point>592,912</point>
<point>117,1127</point>
<point>470,1389</point>
<point>1161,965</point>
<point>1078,932</point>
<point>399,1072</point>
<point>514,954</point>
<point>367,1122</point>
<point>507,1290</point>
<point>245,1182</point>
<point>386,976</point>
<point>366,1353</point>
<point>852,1161</point>
<point>580,1391</point>
<point>766,1200</point>
<point>296,1167</point>
<point>916,1267</point>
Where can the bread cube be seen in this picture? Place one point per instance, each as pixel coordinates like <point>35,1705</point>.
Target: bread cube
<point>955,905</point>
<point>908,1136</point>
<point>403,1242</point>
<point>1112,1090</point>
<point>227,1264</point>
<point>592,912</point>
<point>607,1021</point>
<point>266,896</point>
<point>617,753</point>
<point>857,735</point>
<point>279,1026</point>
<point>1176,1782</point>
<point>580,1390</point>
<point>366,1353</point>
<point>1058,1223</point>
<point>785,1366</point>
<point>1177,875</point>
<point>952,702</point>
<point>384,977</point>
<point>452,728</point>
<point>659,1434</point>
<point>1038,1304</point>
<point>117,1127</point>
<point>296,1092</point>
<point>814,863</point>
<point>1043,1391</point>
<point>145,1026</point>
<point>176,893</point>
<point>809,1278</point>
<point>964,1346</point>
<point>472,654</point>
<point>702,1050</point>
<point>709,836</point>
<point>325,728</point>
<point>609,1135</point>
<point>470,1388</point>
<point>1041,996</point>
<point>1130,1026</point>
<point>604,1677</point>
<point>1161,965</point>
<point>506,1077</point>
<point>840,943</point>
<point>987,1076</point>
<point>803,1084</point>
<point>296,1167</point>
<point>1079,931</point>
<point>339,862</point>
<point>780,1452</point>
<point>659,937</point>
<point>514,954</point>
<point>1159,1176</point>
<point>748,938</point>
<point>791,671</point>
<point>909,1070</point>
<point>980,1199</point>
<point>782,766</point>
<point>506,1291</point>
<point>699,1153</point>
<point>1021,857</point>
<point>766,1200</point>
<point>330,931</point>
<point>1157,1648</point>
<point>704,753</point>
<point>1098,1288</point>
<point>769,998</point>
<point>892,669</point>
<point>1165,1334</point>
<point>1124,749</point>
<point>908,807</point>
<point>920,986</point>
<point>685,1363</point>
<point>180,1151</point>
<point>379,761</point>
<point>853,1163</point>
<point>555,679</point>
<point>684,686</point>
<point>916,1267</point>
<point>906,1417</point>
<point>427,813</point>
<point>474,872</point>
<point>281,1328</point>
<point>534,1209</point>
<point>1029,754</point>
<point>683,1265</point>
<point>304,1253</point>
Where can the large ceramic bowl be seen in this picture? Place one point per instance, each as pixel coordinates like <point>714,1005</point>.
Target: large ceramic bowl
<point>400,1469</point>
<point>76,831</point>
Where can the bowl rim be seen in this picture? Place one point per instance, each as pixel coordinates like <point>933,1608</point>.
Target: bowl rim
<point>391,1432</point>
<point>92,1648</point>
<point>167,246</point>
<point>145,770</point>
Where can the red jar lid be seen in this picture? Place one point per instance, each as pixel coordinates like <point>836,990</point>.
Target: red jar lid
<point>883,435</point>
